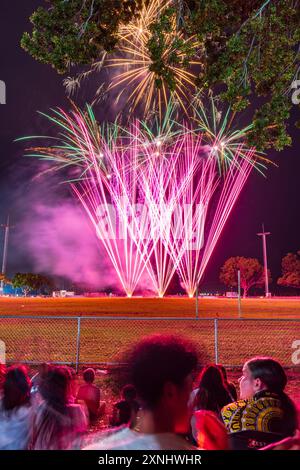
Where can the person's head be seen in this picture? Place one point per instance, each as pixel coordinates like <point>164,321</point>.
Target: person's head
<point>129,392</point>
<point>55,389</point>
<point>89,375</point>
<point>161,370</point>
<point>211,377</point>
<point>16,388</point>
<point>212,392</point>
<point>262,373</point>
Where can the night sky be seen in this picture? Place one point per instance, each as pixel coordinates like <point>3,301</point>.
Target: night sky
<point>32,86</point>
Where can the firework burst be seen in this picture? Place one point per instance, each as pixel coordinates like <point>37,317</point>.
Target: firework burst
<point>136,71</point>
<point>154,193</point>
<point>222,138</point>
<point>138,79</point>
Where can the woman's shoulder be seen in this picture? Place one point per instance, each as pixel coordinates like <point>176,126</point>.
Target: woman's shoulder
<point>22,413</point>
<point>269,398</point>
<point>256,414</point>
<point>75,409</point>
<point>74,406</point>
<point>78,414</point>
<point>235,406</point>
<point>205,414</point>
<point>206,418</point>
<point>260,400</point>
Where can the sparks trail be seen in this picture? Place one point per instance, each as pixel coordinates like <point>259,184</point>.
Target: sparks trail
<point>138,78</point>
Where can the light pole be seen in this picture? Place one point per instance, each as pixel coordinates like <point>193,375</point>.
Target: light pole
<point>264,234</point>
<point>4,255</point>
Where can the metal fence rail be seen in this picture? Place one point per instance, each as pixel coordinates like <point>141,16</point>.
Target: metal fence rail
<point>101,340</point>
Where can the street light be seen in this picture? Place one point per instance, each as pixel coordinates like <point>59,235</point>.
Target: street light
<point>4,255</point>
<point>264,234</point>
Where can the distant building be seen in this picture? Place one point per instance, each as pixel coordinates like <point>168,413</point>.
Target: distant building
<point>63,293</point>
<point>232,295</point>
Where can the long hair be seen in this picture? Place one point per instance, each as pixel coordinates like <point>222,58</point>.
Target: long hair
<point>52,423</point>
<point>55,388</point>
<point>16,388</point>
<point>274,378</point>
<point>212,392</point>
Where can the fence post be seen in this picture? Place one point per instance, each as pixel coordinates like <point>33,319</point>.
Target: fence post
<point>239,294</point>
<point>197,304</point>
<point>216,341</point>
<point>78,344</point>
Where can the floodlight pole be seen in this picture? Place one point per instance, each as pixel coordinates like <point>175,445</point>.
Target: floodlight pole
<point>4,255</point>
<point>264,234</point>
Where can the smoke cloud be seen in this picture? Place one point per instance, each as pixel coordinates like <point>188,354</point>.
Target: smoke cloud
<point>51,233</point>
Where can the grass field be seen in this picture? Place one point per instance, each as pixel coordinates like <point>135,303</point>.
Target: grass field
<point>103,339</point>
<point>169,306</point>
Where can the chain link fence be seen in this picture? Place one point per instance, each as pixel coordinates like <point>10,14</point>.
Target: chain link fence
<point>86,340</point>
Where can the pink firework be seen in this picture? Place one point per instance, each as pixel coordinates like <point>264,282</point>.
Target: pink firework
<point>158,202</point>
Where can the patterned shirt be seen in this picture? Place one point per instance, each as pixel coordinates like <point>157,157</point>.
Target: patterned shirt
<point>261,413</point>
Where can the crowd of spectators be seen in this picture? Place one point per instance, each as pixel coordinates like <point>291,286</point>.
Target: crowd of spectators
<point>170,402</point>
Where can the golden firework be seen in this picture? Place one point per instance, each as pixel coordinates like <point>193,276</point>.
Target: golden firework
<point>136,75</point>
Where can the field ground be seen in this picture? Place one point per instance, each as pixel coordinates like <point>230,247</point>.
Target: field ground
<point>262,331</point>
<point>169,306</point>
